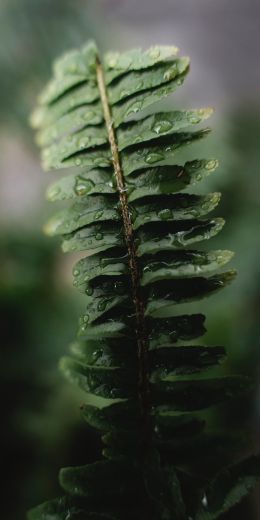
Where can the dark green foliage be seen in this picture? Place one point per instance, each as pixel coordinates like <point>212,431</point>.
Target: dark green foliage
<point>147,379</point>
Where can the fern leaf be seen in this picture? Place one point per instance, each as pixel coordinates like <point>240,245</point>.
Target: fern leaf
<point>135,352</point>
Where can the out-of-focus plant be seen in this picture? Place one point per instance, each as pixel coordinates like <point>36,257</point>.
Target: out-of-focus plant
<point>32,32</point>
<point>39,427</point>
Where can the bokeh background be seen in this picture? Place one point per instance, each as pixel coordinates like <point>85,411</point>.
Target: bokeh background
<point>41,428</point>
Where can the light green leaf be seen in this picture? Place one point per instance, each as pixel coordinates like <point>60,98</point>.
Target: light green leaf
<point>138,81</point>
<point>160,124</point>
<point>116,63</point>
<point>89,182</point>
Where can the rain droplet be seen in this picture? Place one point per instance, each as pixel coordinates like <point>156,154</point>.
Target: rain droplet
<point>78,162</point>
<point>82,187</point>
<point>134,108</point>
<point>89,290</point>
<point>165,214</point>
<point>205,501</point>
<point>98,215</point>
<point>53,192</point>
<point>83,143</point>
<point>76,272</point>
<point>194,119</point>
<point>102,305</point>
<point>124,93</point>
<point>170,73</point>
<point>154,53</point>
<point>211,165</point>
<point>99,236</point>
<point>153,158</point>
<point>161,127</point>
<point>86,318</point>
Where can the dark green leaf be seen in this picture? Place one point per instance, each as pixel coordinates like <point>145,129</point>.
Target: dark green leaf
<point>165,294</point>
<point>175,235</point>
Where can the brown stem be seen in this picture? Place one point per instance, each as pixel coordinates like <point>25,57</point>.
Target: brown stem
<point>142,340</point>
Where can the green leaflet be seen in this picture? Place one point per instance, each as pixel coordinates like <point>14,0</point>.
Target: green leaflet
<point>144,79</point>
<point>110,383</point>
<point>197,394</point>
<point>165,361</point>
<point>72,122</point>
<point>177,207</point>
<point>117,479</point>
<point>77,186</point>
<point>58,509</point>
<point>94,239</point>
<point>117,64</point>
<point>164,180</point>
<point>164,295</point>
<point>181,264</point>
<point>160,124</point>
<point>229,488</point>
<point>170,236</point>
<point>70,70</point>
<point>85,94</point>
<point>79,215</point>
<point>99,265</point>
<point>136,357</point>
<point>158,151</point>
<point>122,112</point>
<point>105,353</point>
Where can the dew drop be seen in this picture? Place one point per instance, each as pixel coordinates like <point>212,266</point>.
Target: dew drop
<point>86,318</point>
<point>194,119</point>
<point>170,73</point>
<point>89,290</point>
<point>154,53</point>
<point>134,108</point>
<point>165,214</point>
<point>99,236</point>
<point>211,165</point>
<point>102,305</point>
<point>161,127</point>
<point>124,93</point>
<point>82,187</point>
<point>98,215</point>
<point>78,162</point>
<point>83,143</point>
<point>76,272</point>
<point>53,192</point>
<point>153,158</point>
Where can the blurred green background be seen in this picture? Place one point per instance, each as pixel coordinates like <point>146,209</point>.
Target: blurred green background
<point>41,426</point>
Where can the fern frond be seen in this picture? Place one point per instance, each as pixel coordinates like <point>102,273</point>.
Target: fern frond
<point>135,352</point>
